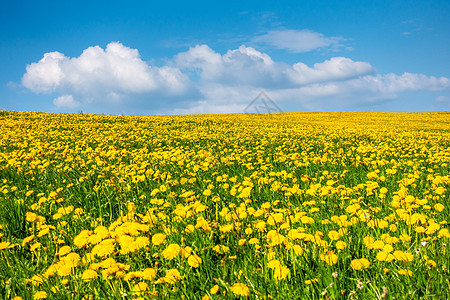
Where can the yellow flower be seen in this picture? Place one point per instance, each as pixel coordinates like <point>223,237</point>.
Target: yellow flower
<point>64,250</point>
<point>158,239</point>
<point>405,272</point>
<point>35,246</point>
<point>89,275</point>
<point>275,263</point>
<point>37,280</point>
<point>226,228</point>
<point>43,232</point>
<point>329,257</point>
<point>194,261</point>
<point>403,256</point>
<point>40,295</point>
<point>420,229</point>
<point>171,251</point>
<point>297,249</point>
<point>4,245</point>
<point>274,238</point>
<point>149,274</point>
<point>280,272</point>
<point>27,240</point>
<point>253,241</point>
<point>378,244</point>
<point>311,281</point>
<point>240,289</point>
<point>385,256</point>
<point>341,245</point>
<point>31,217</point>
<point>173,275</point>
<point>214,289</point>
<point>358,264</point>
<point>140,287</point>
<point>334,235</point>
<point>439,207</point>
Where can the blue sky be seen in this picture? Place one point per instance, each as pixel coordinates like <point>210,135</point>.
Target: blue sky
<point>179,57</point>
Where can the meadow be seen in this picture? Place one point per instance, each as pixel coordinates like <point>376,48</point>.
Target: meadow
<point>333,205</point>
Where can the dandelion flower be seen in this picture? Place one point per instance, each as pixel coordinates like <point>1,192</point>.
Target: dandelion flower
<point>40,295</point>
<point>158,239</point>
<point>89,275</point>
<point>240,289</point>
<point>171,251</point>
<point>214,289</point>
<point>329,257</point>
<point>358,264</point>
<point>194,261</point>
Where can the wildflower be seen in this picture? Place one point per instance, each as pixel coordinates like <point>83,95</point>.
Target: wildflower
<point>4,245</point>
<point>341,245</point>
<point>140,287</point>
<point>358,264</point>
<point>149,274</point>
<point>37,280</point>
<point>439,207</point>
<point>214,289</point>
<point>173,275</point>
<point>253,241</point>
<point>40,295</point>
<point>158,239</point>
<point>89,275</point>
<point>333,235</point>
<point>226,228</point>
<point>64,250</point>
<point>194,261</point>
<point>35,246</point>
<point>311,281</point>
<point>385,256</point>
<point>240,289</point>
<point>403,256</point>
<point>274,238</point>
<point>404,272</point>
<point>297,250</point>
<point>171,251</point>
<point>27,240</point>
<point>329,257</point>
<point>280,272</point>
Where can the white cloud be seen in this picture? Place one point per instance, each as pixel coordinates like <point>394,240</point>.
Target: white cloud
<point>201,80</point>
<point>65,101</point>
<point>102,74</point>
<point>298,41</point>
<point>247,66</point>
<point>336,68</point>
<point>46,75</point>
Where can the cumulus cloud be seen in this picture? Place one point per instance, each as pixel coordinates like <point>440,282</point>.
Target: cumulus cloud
<point>66,101</point>
<point>230,81</point>
<point>247,66</point>
<point>101,73</point>
<point>298,41</point>
<point>201,80</point>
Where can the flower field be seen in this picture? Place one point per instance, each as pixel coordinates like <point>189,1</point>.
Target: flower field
<point>263,206</point>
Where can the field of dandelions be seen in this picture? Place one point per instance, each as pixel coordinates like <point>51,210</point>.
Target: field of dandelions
<point>257,206</point>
